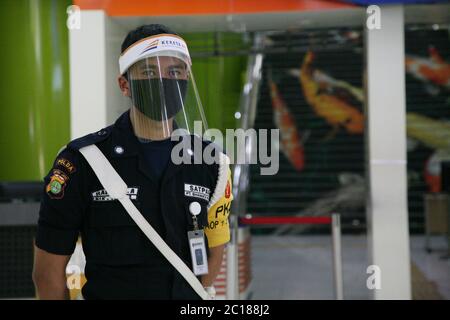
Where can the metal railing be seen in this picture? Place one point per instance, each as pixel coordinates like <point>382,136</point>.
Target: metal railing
<point>248,102</point>
<point>334,221</point>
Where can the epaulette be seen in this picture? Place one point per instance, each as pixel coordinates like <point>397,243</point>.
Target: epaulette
<point>91,138</point>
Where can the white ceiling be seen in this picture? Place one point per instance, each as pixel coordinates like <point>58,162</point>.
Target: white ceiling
<point>432,14</point>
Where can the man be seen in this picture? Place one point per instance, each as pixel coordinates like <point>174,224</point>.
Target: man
<point>121,262</point>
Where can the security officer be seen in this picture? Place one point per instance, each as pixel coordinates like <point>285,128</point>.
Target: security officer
<point>121,262</point>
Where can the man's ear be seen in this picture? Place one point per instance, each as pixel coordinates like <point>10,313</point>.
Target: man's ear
<point>123,85</point>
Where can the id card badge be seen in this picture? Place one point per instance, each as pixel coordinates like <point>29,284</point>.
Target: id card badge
<point>198,252</point>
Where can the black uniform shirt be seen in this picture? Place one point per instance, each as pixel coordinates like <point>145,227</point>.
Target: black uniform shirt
<point>120,261</point>
<point>157,155</point>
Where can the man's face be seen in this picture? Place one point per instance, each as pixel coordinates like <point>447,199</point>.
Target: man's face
<point>154,68</point>
<point>159,67</point>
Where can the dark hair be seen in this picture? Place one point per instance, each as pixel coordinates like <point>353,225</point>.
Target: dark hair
<point>144,32</point>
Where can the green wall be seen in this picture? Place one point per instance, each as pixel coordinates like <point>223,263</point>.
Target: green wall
<point>34,105</point>
<point>218,78</point>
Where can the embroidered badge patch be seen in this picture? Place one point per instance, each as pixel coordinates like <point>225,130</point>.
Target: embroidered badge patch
<point>58,181</point>
<point>102,195</point>
<point>66,164</point>
<point>192,190</point>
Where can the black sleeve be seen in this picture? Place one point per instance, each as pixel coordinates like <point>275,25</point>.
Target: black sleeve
<point>63,204</point>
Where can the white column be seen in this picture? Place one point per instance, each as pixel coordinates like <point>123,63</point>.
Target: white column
<point>87,74</point>
<point>387,212</point>
<point>116,103</point>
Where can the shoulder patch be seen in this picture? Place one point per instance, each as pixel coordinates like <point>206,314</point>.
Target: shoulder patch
<point>58,182</point>
<point>66,164</point>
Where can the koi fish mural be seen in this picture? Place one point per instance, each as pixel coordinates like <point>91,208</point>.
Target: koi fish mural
<point>325,95</point>
<point>330,84</point>
<point>432,170</point>
<point>291,145</point>
<point>434,71</point>
<point>433,133</point>
<point>350,195</point>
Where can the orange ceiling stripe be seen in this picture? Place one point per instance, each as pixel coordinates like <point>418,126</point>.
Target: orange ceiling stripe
<point>203,7</point>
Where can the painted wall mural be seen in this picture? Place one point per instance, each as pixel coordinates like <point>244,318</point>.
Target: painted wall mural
<point>313,92</point>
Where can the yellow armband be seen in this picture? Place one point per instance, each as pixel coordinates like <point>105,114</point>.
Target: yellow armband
<point>218,230</point>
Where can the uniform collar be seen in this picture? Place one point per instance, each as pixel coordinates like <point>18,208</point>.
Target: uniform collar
<point>126,144</point>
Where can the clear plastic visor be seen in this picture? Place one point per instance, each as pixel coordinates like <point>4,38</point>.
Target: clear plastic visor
<point>164,97</point>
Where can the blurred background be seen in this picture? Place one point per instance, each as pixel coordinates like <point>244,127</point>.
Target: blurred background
<point>361,96</point>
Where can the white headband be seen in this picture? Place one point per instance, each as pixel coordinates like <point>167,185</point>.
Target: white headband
<point>171,44</point>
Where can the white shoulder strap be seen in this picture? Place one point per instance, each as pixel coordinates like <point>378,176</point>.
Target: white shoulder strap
<point>117,189</point>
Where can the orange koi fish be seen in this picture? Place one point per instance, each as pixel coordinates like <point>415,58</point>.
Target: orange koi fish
<point>432,170</point>
<point>434,71</point>
<point>291,145</point>
<point>332,107</point>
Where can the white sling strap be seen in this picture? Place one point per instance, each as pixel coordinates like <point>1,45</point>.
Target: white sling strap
<point>117,189</point>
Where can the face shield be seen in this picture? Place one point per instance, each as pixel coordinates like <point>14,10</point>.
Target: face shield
<point>163,93</point>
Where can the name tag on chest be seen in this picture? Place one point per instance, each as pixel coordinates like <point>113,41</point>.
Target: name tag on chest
<point>195,191</point>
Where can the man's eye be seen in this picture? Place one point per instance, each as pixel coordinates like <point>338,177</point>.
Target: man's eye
<point>149,73</point>
<point>174,73</point>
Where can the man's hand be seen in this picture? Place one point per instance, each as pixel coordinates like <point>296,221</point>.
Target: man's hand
<point>49,275</point>
<point>211,291</point>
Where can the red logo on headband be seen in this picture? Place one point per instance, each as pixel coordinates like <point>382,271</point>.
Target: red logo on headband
<point>152,45</point>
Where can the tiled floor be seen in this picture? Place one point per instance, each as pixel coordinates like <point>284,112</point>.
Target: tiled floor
<point>435,265</point>
<point>300,267</point>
